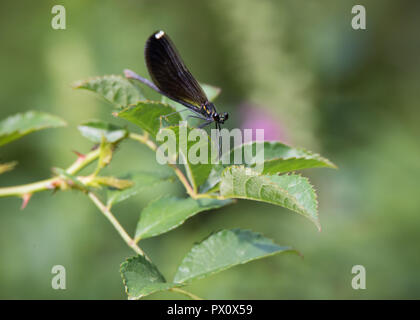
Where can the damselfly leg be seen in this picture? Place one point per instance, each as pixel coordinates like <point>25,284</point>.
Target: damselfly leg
<point>166,116</point>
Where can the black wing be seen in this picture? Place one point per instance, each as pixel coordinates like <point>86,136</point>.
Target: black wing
<point>169,72</point>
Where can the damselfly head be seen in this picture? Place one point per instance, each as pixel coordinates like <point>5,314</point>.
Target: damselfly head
<point>220,118</point>
<point>224,116</point>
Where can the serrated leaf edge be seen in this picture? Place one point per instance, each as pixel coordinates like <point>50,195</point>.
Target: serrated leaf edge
<point>329,163</point>
<point>287,249</point>
<point>295,201</point>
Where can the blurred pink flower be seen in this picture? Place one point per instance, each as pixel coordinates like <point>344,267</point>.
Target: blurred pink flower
<point>254,117</point>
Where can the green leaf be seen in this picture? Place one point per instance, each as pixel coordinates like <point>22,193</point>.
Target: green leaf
<point>21,124</point>
<point>279,157</point>
<point>8,166</point>
<point>147,115</point>
<point>211,92</point>
<point>223,250</point>
<point>113,88</point>
<point>95,129</point>
<point>141,181</point>
<point>169,212</point>
<point>199,169</point>
<point>290,191</point>
<point>141,278</point>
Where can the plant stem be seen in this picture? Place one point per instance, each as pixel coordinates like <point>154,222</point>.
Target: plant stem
<point>108,214</point>
<point>186,293</point>
<point>183,180</point>
<point>80,163</point>
<point>26,188</point>
<point>130,242</point>
<point>47,184</point>
<point>145,140</point>
<point>209,196</point>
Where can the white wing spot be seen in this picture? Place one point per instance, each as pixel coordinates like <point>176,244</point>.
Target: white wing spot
<point>159,34</point>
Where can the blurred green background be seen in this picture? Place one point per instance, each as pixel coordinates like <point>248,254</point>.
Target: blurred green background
<point>350,95</point>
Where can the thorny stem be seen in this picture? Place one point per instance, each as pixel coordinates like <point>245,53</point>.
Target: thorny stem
<point>79,164</point>
<point>47,184</point>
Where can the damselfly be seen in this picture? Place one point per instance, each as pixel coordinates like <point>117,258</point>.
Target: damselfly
<point>172,79</point>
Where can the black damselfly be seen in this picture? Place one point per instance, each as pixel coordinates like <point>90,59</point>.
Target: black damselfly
<point>172,79</point>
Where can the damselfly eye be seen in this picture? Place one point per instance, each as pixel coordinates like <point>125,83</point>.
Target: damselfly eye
<point>225,116</point>
<point>216,116</point>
